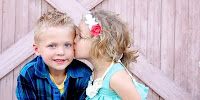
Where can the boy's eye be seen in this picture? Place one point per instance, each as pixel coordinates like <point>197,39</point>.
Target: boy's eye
<point>51,45</point>
<point>68,45</point>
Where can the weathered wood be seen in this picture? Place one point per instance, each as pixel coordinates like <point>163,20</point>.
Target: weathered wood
<point>140,25</point>
<point>21,23</point>
<point>1,16</point>
<point>153,32</point>
<point>16,54</point>
<point>34,12</point>
<point>74,9</point>
<point>8,28</point>
<point>90,4</point>
<point>182,66</point>
<point>167,37</point>
<point>194,48</point>
<point>6,84</point>
<point>155,79</point>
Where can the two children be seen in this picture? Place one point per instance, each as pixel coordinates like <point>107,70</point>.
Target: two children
<point>54,74</point>
<point>103,39</point>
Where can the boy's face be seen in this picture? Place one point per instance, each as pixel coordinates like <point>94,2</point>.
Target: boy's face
<point>56,47</point>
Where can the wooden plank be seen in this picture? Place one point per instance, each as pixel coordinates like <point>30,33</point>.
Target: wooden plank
<point>6,88</point>
<point>8,24</point>
<point>73,8</point>
<point>21,24</point>
<point>140,25</point>
<point>155,79</point>
<point>1,21</point>
<point>46,7</point>
<point>16,54</point>
<point>152,95</point>
<point>154,29</point>
<point>167,37</point>
<point>181,44</point>
<point>90,4</point>
<point>34,12</point>
<point>194,48</point>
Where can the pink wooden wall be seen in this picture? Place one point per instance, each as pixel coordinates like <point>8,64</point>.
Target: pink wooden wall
<point>167,32</point>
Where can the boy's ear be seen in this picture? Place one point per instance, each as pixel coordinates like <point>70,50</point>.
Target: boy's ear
<point>36,49</point>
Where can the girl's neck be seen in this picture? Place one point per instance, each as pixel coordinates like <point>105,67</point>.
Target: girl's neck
<point>100,66</point>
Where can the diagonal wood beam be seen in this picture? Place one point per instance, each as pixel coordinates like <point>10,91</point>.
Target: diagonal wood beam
<point>16,54</point>
<point>90,4</point>
<point>155,79</point>
<point>71,7</point>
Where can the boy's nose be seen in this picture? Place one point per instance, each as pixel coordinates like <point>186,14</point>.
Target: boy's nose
<point>60,51</point>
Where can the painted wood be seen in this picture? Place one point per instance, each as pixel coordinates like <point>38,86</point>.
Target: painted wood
<point>16,54</point>
<point>90,4</point>
<point>155,79</point>
<point>185,44</point>
<point>21,23</point>
<point>74,9</point>
<point>140,25</point>
<point>8,24</point>
<point>34,12</point>
<point>194,48</point>
<point>181,44</point>
<point>153,35</point>
<point>1,16</point>
<point>6,87</point>
<point>167,37</point>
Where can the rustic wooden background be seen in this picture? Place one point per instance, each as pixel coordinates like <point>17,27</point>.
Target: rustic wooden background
<point>166,32</point>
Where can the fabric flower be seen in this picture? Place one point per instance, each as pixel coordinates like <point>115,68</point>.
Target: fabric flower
<point>96,30</point>
<point>93,24</point>
<point>93,89</point>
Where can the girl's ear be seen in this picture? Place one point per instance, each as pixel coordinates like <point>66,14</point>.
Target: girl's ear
<point>36,49</point>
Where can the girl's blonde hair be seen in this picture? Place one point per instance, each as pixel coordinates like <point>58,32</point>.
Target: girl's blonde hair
<point>52,18</point>
<point>114,42</point>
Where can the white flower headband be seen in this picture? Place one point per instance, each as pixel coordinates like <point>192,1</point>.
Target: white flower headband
<point>93,24</point>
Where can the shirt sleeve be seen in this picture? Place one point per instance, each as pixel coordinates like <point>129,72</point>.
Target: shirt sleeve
<point>24,90</point>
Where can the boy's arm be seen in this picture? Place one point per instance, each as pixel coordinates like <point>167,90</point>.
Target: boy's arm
<point>24,90</point>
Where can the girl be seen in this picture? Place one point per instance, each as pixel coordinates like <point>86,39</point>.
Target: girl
<point>103,39</point>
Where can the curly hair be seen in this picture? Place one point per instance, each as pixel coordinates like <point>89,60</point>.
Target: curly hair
<point>52,19</point>
<point>114,42</point>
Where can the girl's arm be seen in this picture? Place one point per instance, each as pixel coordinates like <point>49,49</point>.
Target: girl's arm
<point>122,84</point>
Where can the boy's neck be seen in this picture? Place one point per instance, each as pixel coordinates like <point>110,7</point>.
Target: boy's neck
<point>58,75</point>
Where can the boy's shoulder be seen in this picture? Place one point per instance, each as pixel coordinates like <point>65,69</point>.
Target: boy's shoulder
<point>78,67</point>
<point>29,68</point>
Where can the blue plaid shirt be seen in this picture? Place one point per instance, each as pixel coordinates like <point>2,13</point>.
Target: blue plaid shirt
<point>34,83</point>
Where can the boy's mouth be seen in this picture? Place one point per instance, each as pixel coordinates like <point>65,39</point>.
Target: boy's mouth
<point>59,61</point>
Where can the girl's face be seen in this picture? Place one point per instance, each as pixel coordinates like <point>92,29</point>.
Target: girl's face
<point>83,42</point>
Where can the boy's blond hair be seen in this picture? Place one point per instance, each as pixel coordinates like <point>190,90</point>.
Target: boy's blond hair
<point>52,19</point>
<point>114,42</point>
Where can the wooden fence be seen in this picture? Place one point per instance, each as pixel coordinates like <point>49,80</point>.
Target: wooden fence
<point>166,32</point>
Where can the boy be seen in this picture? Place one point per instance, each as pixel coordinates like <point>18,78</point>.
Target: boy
<point>53,74</point>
